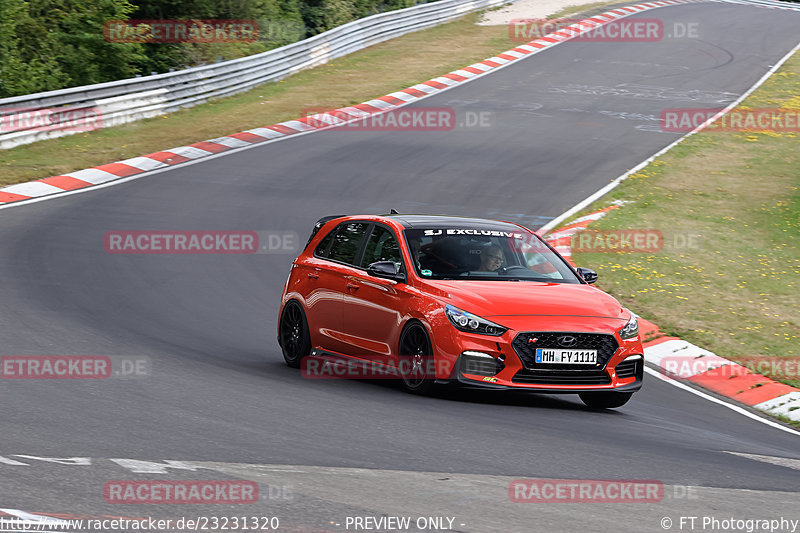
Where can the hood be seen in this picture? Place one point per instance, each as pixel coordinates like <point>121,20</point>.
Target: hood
<point>520,298</point>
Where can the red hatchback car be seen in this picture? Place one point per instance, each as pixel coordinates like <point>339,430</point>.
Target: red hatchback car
<point>439,299</point>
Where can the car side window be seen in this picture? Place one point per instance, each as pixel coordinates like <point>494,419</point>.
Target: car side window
<point>347,242</point>
<point>381,246</point>
<point>322,248</point>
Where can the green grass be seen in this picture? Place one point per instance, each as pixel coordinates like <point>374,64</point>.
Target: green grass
<point>735,292</point>
<point>595,7</point>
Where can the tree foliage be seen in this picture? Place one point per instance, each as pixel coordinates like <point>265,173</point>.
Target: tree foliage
<point>51,44</point>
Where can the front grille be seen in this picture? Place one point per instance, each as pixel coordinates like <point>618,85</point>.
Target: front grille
<point>628,369</point>
<point>562,377</point>
<point>605,345</point>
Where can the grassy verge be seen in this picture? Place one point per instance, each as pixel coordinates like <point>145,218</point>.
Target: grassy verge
<point>366,74</point>
<point>595,7</point>
<point>728,205</point>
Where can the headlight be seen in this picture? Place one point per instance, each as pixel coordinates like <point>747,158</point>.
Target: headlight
<point>631,329</point>
<point>468,322</point>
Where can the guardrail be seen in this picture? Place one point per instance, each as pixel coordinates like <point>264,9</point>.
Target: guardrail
<point>46,115</point>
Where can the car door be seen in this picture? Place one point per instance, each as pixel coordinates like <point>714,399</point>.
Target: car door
<point>332,264</point>
<point>373,307</point>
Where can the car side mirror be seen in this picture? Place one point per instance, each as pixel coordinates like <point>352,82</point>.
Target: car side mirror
<point>588,275</point>
<point>385,270</point>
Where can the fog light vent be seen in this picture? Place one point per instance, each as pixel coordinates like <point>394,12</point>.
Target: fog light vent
<point>479,364</point>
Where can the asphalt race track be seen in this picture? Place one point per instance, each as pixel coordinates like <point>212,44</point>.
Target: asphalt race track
<point>218,396</point>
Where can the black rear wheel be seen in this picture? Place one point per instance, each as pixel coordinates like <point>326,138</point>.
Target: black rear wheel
<point>416,359</point>
<point>295,340</point>
<point>605,400</point>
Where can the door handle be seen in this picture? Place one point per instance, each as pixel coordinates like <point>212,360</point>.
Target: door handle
<point>313,275</point>
<point>353,286</point>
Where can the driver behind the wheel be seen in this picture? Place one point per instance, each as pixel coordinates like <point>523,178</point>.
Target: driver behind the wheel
<point>491,258</point>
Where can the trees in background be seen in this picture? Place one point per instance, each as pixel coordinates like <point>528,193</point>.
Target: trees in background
<point>53,44</point>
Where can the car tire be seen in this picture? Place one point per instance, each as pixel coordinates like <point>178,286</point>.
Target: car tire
<point>605,400</point>
<point>295,340</point>
<point>416,359</point>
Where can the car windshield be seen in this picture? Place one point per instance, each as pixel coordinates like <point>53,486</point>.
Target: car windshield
<point>485,254</point>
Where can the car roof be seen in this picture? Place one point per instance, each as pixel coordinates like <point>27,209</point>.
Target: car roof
<point>446,221</point>
<point>430,221</point>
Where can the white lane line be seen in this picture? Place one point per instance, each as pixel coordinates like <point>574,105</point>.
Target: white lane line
<point>149,467</point>
<point>730,406</point>
<point>780,461</point>
<point>608,188</point>
<point>12,462</point>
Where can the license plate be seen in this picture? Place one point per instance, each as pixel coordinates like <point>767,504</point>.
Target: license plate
<point>557,356</point>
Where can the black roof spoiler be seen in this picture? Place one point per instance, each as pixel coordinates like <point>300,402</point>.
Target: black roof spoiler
<point>328,218</point>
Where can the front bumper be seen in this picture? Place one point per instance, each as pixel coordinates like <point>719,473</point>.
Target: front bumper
<point>500,381</point>
<point>470,383</point>
<point>503,363</point>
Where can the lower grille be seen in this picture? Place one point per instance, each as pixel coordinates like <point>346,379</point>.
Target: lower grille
<point>588,377</point>
<point>628,369</point>
<point>479,366</point>
<point>525,345</point>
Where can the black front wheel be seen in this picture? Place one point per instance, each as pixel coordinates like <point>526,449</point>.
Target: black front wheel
<point>295,340</point>
<point>416,359</point>
<point>605,400</point>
